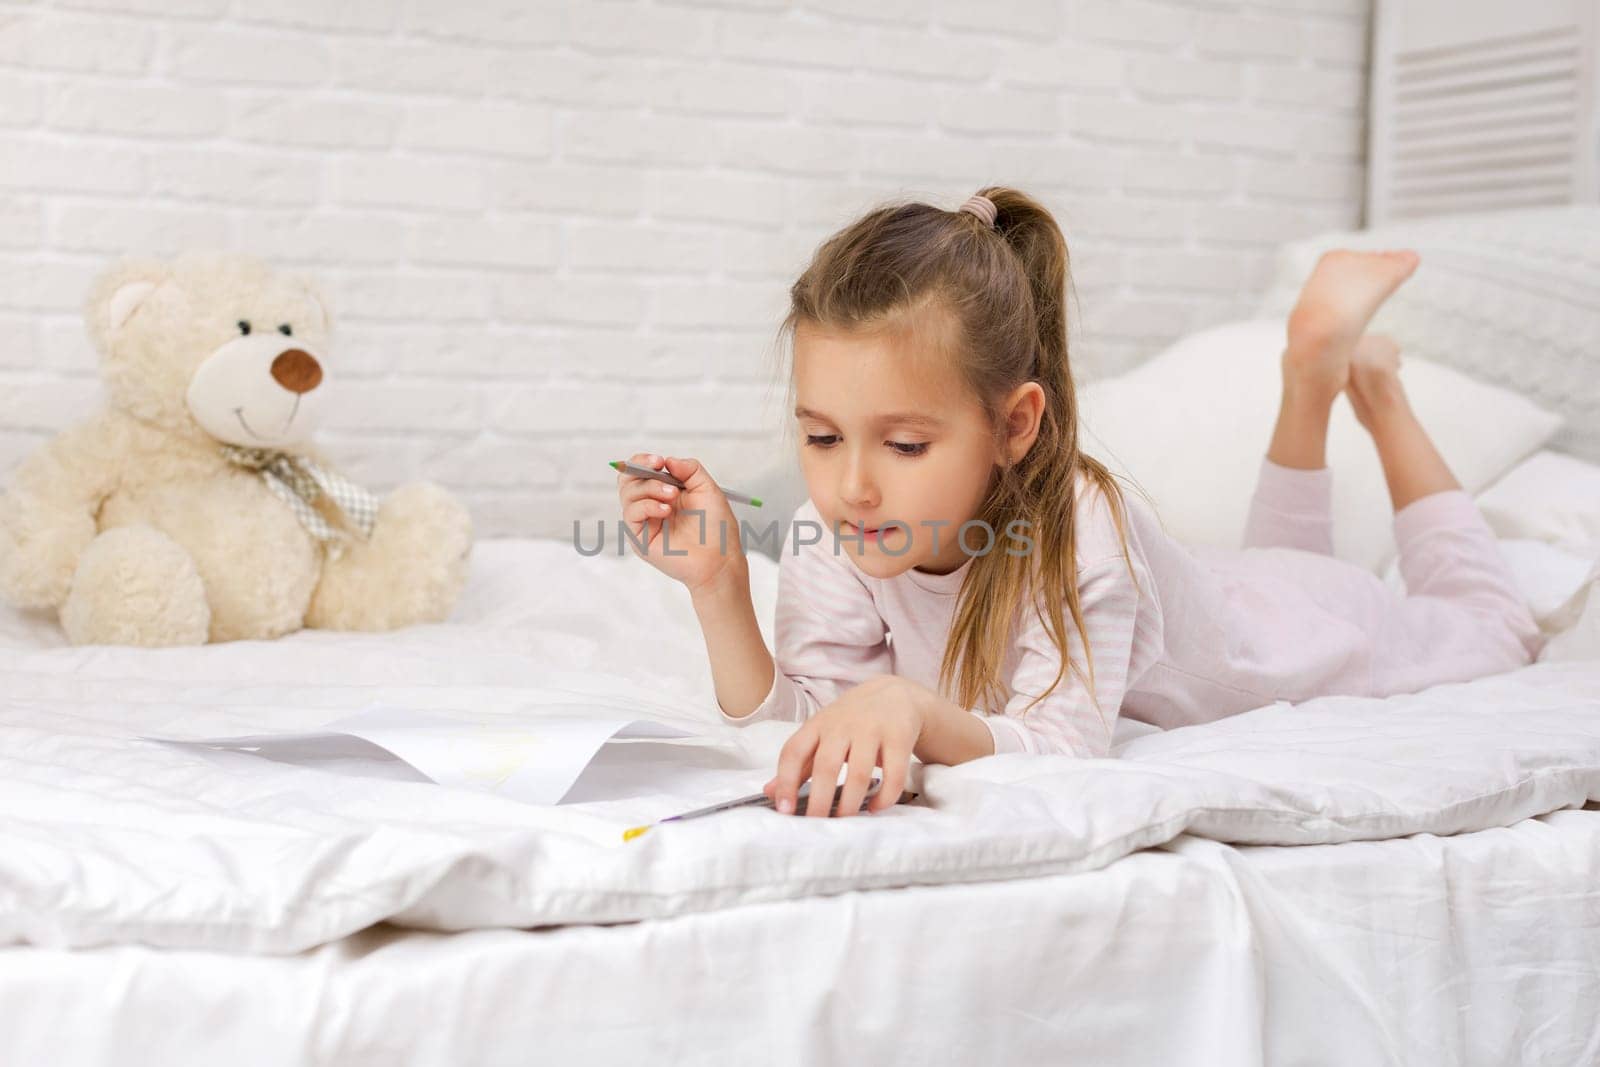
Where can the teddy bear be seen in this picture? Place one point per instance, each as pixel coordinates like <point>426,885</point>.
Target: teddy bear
<point>193,507</point>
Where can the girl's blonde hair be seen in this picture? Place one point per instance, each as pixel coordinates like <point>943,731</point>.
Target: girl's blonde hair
<point>992,299</point>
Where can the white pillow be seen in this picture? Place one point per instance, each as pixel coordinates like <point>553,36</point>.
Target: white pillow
<point>1577,625</point>
<point>1191,426</point>
<point>1551,497</point>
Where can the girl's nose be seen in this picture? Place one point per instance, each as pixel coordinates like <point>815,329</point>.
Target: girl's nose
<point>857,490</point>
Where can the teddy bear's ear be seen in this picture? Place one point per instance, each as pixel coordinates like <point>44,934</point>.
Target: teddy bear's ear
<point>316,303</point>
<point>117,294</point>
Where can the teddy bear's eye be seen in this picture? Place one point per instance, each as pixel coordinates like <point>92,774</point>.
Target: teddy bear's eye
<point>244,327</point>
<point>285,330</point>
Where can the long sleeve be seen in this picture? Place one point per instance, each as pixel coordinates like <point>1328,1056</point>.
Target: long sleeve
<point>1125,634</point>
<point>829,634</point>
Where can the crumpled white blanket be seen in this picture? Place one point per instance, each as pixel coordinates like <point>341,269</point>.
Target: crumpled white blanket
<point>107,839</point>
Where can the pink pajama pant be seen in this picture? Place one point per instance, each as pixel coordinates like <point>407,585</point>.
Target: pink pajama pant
<point>1461,616</point>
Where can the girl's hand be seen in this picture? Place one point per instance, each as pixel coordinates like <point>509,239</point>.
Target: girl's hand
<point>876,723</point>
<point>654,511</point>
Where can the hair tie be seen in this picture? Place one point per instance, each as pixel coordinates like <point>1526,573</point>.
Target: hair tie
<point>981,206</point>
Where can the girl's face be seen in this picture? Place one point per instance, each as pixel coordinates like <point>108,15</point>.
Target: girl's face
<point>890,435</point>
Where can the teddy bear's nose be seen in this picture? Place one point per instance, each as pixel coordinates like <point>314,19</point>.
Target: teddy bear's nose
<point>297,371</point>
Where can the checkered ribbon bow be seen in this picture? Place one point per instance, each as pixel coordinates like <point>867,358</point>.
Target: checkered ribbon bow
<point>299,482</point>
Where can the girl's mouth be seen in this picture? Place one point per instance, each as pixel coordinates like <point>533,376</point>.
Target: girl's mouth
<point>872,533</point>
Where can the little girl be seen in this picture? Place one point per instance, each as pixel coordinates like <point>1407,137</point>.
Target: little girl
<point>933,389</point>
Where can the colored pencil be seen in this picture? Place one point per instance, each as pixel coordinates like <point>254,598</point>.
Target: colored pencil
<point>624,467</point>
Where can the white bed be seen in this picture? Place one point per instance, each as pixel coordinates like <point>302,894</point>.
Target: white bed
<point>1346,881</point>
<point>168,907</point>
<point>1473,949</point>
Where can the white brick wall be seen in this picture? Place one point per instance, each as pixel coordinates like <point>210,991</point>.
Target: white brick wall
<point>515,204</point>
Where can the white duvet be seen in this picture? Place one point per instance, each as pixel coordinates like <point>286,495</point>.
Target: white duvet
<point>107,839</point>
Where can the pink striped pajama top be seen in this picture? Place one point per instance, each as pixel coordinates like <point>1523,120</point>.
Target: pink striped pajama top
<point>1206,633</point>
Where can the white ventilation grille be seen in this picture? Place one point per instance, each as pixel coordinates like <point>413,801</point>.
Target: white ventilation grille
<point>1481,105</point>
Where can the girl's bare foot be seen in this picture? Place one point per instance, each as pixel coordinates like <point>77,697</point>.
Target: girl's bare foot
<point>1374,387</point>
<point>1344,291</point>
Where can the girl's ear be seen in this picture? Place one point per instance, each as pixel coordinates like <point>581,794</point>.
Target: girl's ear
<point>117,294</point>
<point>1023,415</point>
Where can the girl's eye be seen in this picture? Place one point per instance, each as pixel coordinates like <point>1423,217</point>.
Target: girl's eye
<point>244,327</point>
<point>285,330</point>
<point>900,448</point>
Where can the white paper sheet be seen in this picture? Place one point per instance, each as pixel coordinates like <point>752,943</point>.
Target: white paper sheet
<point>533,759</point>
